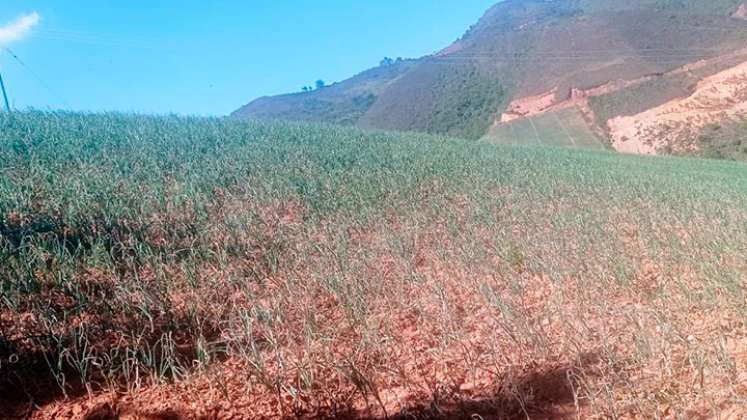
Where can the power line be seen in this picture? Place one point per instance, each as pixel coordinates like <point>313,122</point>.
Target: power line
<point>569,57</point>
<point>38,78</point>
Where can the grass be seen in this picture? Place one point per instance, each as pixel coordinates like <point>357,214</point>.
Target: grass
<point>291,269</point>
<point>562,128</point>
<point>468,101</point>
<point>724,141</point>
<point>440,97</point>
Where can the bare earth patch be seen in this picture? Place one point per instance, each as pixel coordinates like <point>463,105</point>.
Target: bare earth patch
<point>670,127</point>
<point>529,106</point>
<point>718,98</point>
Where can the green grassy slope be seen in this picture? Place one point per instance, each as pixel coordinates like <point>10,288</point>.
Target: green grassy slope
<point>340,103</point>
<point>455,98</point>
<point>137,251</point>
<point>564,128</point>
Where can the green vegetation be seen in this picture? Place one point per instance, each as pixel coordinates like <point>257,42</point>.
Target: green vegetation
<point>725,141</point>
<point>562,128</point>
<point>344,110</point>
<point>332,270</point>
<point>344,113</point>
<point>467,105</point>
<point>339,103</point>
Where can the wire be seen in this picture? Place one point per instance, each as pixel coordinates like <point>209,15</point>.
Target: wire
<point>584,55</point>
<point>37,77</point>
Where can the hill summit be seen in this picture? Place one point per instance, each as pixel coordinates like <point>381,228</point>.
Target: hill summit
<point>641,76</point>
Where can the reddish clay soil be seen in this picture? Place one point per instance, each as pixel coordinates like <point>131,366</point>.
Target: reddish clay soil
<point>552,398</point>
<point>672,126</point>
<point>457,358</point>
<point>529,106</point>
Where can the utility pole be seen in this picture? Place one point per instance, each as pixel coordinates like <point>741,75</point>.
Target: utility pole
<point>5,94</point>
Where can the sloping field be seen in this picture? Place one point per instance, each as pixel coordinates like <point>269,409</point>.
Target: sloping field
<point>204,268</point>
<point>564,128</point>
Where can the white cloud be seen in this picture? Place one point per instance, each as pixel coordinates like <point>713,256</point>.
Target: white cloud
<point>19,29</point>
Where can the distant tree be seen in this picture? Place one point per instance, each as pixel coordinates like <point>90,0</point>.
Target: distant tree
<point>386,61</point>
<point>320,84</point>
<point>400,59</point>
<point>307,88</point>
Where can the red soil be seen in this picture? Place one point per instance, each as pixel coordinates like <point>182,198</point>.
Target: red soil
<point>675,124</point>
<point>718,98</point>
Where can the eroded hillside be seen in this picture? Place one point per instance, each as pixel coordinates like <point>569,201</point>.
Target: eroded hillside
<point>658,113</point>
<point>676,124</point>
<point>612,62</point>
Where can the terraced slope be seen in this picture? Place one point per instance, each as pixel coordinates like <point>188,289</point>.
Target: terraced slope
<point>565,128</point>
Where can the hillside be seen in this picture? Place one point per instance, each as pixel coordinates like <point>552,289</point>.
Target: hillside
<point>605,58</point>
<point>341,103</point>
<point>725,141</point>
<point>169,267</point>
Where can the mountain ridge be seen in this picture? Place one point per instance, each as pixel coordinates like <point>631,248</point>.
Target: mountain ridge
<point>522,49</point>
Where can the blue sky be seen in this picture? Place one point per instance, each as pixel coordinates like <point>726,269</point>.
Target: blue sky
<point>210,57</point>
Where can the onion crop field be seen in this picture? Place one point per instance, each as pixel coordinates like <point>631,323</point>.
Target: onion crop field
<point>209,268</point>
